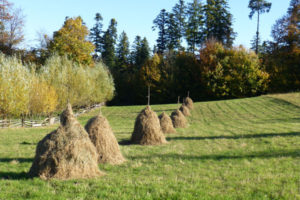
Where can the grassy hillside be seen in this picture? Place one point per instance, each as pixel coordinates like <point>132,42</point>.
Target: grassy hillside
<point>235,149</point>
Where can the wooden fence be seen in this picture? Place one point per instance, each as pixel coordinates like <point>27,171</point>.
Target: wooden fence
<point>16,123</point>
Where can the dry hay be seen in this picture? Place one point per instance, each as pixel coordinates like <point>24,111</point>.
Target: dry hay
<point>178,119</point>
<point>188,102</point>
<point>66,153</point>
<point>104,140</point>
<point>185,110</point>
<point>147,130</point>
<point>166,123</point>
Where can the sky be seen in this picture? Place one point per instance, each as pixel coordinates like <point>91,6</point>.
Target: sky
<point>135,17</point>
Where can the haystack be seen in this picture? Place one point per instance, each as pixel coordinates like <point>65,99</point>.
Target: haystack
<point>66,153</point>
<point>188,102</point>
<point>166,123</point>
<point>185,110</point>
<point>147,130</point>
<point>104,140</point>
<point>178,119</point>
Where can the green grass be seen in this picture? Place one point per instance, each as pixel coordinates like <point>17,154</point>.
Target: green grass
<point>235,149</point>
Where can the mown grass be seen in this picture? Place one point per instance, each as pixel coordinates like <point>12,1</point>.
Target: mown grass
<point>235,149</point>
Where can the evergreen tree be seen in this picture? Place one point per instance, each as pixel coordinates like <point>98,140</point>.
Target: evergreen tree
<point>259,7</point>
<point>96,35</point>
<point>179,12</point>
<point>109,42</point>
<point>218,22</point>
<point>141,51</point>
<point>160,23</point>
<point>173,33</point>
<point>123,51</point>
<point>194,27</point>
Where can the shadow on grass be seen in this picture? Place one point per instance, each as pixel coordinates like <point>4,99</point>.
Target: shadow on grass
<point>13,175</point>
<point>28,143</point>
<point>125,142</point>
<point>219,157</point>
<point>291,134</point>
<point>20,160</point>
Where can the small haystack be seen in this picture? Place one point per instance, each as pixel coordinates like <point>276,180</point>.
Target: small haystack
<point>105,141</point>
<point>185,110</point>
<point>147,130</point>
<point>66,153</point>
<point>178,119</point>
<point>166,123</point>
<point>188,102</point>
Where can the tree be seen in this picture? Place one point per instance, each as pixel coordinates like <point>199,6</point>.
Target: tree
<point>160,23</point>
<point>109,42</point>
<point>141,51</point>
<point>179,12</point>
<point>194,26</point>
<point>259,7</point>
<point>71,40</point>
<point>96,35</point>
<point>123,51</point>
<point>173,33</point>
<point>11,27</point>
<point>218,22</point>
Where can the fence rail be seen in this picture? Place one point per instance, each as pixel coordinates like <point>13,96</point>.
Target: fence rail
<point>16,123</point>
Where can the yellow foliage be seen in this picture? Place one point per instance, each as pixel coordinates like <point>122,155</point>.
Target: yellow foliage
<point>43,98</point>
<point>71,40</point>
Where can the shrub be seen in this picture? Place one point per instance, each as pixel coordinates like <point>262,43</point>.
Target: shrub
<point>77,84</point>
<point>15,80</point>
<point>234,72</point>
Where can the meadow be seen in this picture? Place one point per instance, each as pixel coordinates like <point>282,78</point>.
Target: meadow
<point>233,149</point>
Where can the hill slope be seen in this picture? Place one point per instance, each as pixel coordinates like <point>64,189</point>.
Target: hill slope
<point>235,149</point>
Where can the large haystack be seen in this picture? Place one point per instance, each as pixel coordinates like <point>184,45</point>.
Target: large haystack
<point>66,153</point>
<point>188,102</point>
<point>166,123</point>
<point>185,110</point>
<point>178,119</point>
<point>147,130</point>
<point>105,141</point>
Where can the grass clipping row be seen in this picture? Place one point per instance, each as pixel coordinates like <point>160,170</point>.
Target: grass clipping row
<point>147,130</point>
<point>66,153</point>
<point>166,123</point>
<point>104,140</point>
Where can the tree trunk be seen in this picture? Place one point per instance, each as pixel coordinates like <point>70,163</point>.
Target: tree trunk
<point>257,34</point>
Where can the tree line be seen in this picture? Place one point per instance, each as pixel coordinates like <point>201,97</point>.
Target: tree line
<point>193,52</point>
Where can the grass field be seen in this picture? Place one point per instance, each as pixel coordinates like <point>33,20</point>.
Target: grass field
<point>234,149</point>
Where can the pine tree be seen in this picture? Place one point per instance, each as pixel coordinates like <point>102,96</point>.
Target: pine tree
<point>109,42</point>
<point>194,27</point>
<point>173,33</point>
<point>259,7</point>
<point>96,35</point>
<point>123,51</point>
<point>179,12</point>
<point>141,51</point>
<point>160,23</point>
<point>218,22</point>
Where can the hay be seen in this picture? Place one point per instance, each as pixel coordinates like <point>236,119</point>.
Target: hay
<point>147,130</point>
<point>66,153</point>
<point>104,140</point>
<point>185,110</point>
<point>166,123</point>
<point>188,102</point>
<point>178,119</point>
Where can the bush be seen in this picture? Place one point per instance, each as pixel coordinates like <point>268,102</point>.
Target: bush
<point>15,81</point>
<point>77,84</point>
<point>234,72</point>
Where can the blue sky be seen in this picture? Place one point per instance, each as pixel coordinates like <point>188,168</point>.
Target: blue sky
<point>135,17</point>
